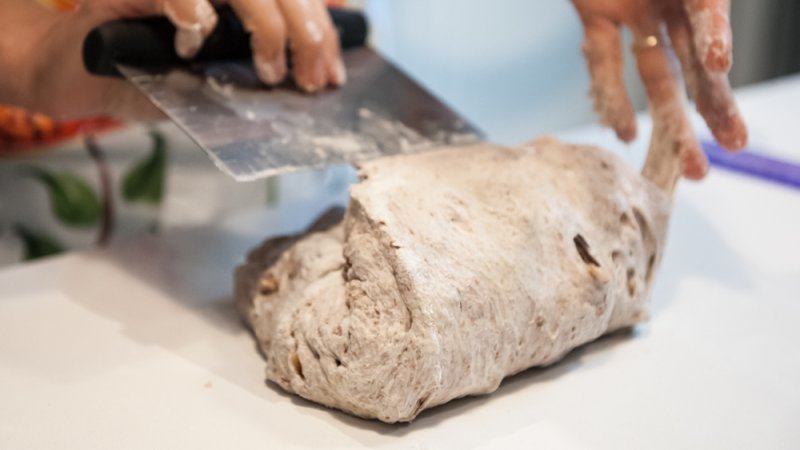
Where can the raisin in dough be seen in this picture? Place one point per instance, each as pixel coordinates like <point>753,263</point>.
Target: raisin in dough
<point>453,269</point>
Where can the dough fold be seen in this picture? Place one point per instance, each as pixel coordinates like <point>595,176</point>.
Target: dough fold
<point>451,270</point>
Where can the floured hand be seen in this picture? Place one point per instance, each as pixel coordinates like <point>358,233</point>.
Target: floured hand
<point>698,31</point>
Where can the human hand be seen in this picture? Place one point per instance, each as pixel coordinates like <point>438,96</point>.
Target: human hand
<point>305,24</point>
<point>44,49</point>
<point>699,33</point>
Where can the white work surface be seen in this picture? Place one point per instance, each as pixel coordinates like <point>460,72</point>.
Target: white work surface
<point>139,346</point>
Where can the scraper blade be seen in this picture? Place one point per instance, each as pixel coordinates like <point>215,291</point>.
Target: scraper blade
<point>251,131</point>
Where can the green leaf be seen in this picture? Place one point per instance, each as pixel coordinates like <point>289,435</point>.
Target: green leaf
<point>145,181</point>
<point>37,245</point>
<point>73,201</point>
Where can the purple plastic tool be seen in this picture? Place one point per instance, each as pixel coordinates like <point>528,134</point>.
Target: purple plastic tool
<point>754,164</point>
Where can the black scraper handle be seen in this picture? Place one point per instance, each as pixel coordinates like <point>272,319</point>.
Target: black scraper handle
<point>150,41</point>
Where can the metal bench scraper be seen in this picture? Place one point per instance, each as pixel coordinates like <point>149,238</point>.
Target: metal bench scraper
<point>252,131</point>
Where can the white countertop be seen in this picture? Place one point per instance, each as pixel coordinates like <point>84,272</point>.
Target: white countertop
<point>139,346</point>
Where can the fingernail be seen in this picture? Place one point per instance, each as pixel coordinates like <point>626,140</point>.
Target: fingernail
<point>733,136</point>
<point>728,128</point>
<point>192,28</point>
<point>206,16</point>
<point>340,74</point>
<point>626,131</point>
<point>309,87</point>
<point>271,71</point>
<point>694,165</point>
<point>188,41</point>
<point>312,80</point>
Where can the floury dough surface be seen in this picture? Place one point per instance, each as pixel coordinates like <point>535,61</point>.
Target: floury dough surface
<point>451,270</point>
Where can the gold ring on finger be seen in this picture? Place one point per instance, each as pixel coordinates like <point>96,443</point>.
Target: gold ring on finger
<point>646,42</point>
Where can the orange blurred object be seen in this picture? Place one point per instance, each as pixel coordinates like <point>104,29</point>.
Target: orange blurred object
<point>24,131</point>
<point>60,5</point>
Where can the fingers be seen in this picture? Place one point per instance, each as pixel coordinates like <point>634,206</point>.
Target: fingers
<point>264,20</point>
<point>314,44</point>
<point>331,54</point>
<point>673,145</point>
<point>601,48</point>
<point>194,20</point>
<point>337,75</point>
<point>711,32</point>
<point>711,90</point>
<point>716,104</point>
<point>304,24</point>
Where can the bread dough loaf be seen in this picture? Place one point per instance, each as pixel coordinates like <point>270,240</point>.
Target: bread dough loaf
<point>451,270</point>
